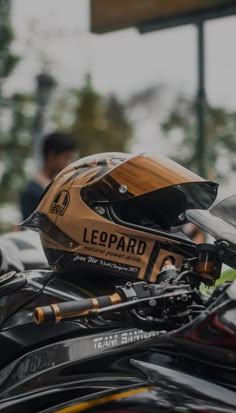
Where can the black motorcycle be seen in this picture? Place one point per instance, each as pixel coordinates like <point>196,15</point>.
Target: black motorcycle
<point>138,347</point>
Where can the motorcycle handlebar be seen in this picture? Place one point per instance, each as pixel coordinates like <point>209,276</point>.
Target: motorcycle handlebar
<point>56,312</point>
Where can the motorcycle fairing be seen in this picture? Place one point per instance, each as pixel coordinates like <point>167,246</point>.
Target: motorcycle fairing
<point>66,374</point>
<point>147,398</point>
<point>133,384</point>
<point>22,374</point>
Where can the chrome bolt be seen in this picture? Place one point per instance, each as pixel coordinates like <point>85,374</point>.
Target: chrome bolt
<point>123,189</point>
<point>184,297</point>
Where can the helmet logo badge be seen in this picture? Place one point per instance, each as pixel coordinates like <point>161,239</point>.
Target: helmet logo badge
<point>60,203</point>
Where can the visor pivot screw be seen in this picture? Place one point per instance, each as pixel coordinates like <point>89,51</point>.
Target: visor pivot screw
<point>123,189</point>
<point>71,244</point>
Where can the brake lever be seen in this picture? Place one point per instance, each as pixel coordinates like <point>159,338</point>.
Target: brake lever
<point>174,298</point>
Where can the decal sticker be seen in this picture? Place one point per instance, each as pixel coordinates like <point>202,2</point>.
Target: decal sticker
<point>111,265</point>
<point>60,203</point>
<point>119,339</point>
<point>115,241</point>
<point>113,254</point>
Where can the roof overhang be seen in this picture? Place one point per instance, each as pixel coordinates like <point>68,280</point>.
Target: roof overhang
<point>147,15</point>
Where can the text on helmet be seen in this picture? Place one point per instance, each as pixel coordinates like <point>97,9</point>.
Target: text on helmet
<point>119,242</point>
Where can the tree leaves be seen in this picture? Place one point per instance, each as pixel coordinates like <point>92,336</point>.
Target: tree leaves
<point>220,136</point>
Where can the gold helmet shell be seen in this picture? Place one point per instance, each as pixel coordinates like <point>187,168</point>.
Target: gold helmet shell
<point>114,213</point>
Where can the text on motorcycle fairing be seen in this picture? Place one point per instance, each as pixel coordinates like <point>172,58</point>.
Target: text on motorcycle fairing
<point>117,339</point>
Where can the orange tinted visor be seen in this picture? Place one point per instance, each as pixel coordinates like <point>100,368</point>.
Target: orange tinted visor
<point>143,174</point>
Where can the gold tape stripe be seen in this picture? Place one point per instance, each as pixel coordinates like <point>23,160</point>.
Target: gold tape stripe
<point>115,298</point>
<point>86,405</point>
<point>39,315</point>
<point>95,303</point>
<point>57,312</point>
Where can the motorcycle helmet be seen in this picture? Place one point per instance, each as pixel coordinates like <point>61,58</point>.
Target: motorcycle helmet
<point>114,213</point>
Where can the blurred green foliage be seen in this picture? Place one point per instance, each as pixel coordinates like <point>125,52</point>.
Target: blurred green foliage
<point>14,127</point>
<point>8,60</point>
<point>229,275</point>
<point>99,123</point>
<point>16,146</point>
<point>226,276</point>
<point>181,128</point>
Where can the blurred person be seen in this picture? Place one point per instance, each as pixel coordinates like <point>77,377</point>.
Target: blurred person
<point>58,151</point>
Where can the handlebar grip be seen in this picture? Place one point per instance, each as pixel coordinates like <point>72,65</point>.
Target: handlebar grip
<point>56,312</point>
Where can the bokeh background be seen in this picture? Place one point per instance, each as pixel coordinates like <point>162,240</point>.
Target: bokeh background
<point>117,91</point>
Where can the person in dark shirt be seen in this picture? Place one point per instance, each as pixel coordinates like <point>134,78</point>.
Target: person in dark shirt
<point>58,151</point>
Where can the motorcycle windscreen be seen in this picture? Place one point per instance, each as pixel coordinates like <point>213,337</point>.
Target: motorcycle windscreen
<point>143,174</point>
<point>219,221</point>
<point>164,208</point>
